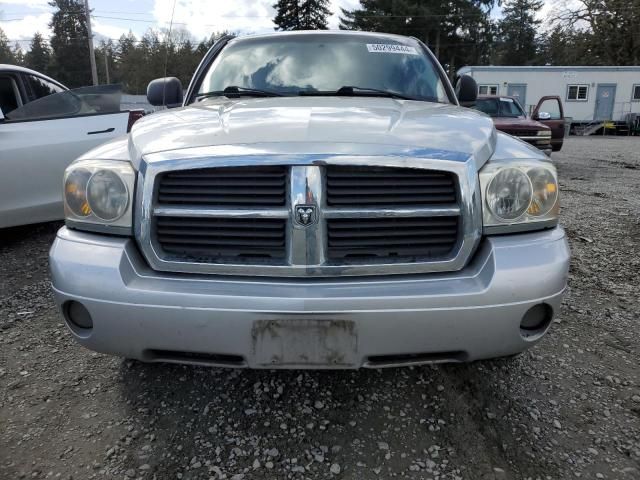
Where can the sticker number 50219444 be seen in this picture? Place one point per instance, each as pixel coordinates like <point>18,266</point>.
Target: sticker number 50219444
<point>391,48</point>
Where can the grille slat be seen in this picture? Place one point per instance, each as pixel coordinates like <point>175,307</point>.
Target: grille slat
<point>216,200</point>
<point>382,186</point>
<point>184,222</point>
<point>399,253</point>
<point>354,200</point>
<point>406,181</point>
<point>218,241</point>
<point>392,234</point>
<point>522,133</point>
<point>215,191</point>
<point>390,225</point>
<point>219,232</point>
<point>374,190</point>
<point>206,181</point>
<point>228,186</point>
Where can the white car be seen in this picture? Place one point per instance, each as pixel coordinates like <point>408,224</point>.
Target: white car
<point>43,127</point>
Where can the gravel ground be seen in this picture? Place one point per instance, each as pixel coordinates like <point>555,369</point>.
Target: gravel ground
<point>569,407</point>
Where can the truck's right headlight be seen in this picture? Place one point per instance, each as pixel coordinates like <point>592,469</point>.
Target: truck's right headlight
<point>519,196</point>
<point>98,195</point>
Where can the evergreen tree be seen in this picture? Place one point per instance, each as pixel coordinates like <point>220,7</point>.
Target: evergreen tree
<point>18,54</point>
<point>6,52</point>
<point>131,64</point>
<point>459,32</point>
<point>566,46</point>
<point>609,29</point>
<point>186,61</point>
<point>39,55</point>
<point>301,14</point>
<point>69,43</point>
<point>106,49</point>
<point>518,31</point>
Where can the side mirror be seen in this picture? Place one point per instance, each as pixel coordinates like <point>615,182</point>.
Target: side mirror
<point>165,91</point>
<point>466,90</point>
<point>543,116</point>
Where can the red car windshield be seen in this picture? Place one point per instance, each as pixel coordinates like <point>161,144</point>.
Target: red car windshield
<point>499,107</point>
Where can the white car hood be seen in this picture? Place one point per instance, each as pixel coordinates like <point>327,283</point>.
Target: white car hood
<point>307,124</point>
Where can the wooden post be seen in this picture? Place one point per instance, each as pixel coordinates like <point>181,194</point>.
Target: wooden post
<point>92,56</point>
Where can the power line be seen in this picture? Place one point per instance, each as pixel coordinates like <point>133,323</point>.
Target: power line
<point>195,45</point>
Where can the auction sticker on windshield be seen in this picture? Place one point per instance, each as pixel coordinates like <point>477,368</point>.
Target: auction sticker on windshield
<point>391,48</point>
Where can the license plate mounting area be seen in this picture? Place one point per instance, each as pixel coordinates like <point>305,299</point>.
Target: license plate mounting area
<point>311,343</point>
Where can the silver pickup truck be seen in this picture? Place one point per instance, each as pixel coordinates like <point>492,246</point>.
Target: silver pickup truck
<point>319,200</point>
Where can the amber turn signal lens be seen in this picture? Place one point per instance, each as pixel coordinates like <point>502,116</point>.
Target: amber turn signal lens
<point>75,192</point>
<point>545,191</point>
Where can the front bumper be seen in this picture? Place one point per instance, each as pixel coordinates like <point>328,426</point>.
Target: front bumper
<point>236,321</point>
<point>541,143</point>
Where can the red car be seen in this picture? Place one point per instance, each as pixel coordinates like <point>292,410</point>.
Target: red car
<point>545,128</point>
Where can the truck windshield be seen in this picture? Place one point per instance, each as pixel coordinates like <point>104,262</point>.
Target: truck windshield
<point>324,63</point>
<point>500,107</point>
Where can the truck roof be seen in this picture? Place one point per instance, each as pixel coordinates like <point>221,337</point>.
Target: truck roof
<point>327,33</point>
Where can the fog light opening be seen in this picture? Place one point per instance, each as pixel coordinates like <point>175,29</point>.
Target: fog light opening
<point>77,316</point>
<point>536,320</point>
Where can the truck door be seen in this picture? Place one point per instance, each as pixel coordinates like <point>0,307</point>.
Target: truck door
<point>39,140</point>
<point>549,111</point>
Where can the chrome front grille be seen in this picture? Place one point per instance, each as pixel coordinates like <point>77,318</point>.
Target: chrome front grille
<point>305,216</point>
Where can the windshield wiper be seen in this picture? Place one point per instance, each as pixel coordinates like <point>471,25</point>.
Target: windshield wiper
<point>239,91</point>
<point>350,90</point>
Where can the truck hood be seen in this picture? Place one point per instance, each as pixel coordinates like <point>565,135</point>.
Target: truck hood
<point>508,124</point>
<point>318,125</point>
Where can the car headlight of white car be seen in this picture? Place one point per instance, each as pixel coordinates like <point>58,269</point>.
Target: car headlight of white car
<point>98,195</point>
<point>519,196</point>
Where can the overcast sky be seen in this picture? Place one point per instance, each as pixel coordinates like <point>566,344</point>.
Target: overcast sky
<point>20,19</point>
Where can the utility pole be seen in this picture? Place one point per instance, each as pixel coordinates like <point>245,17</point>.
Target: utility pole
<point>92,55</point>
<point>106,63</point>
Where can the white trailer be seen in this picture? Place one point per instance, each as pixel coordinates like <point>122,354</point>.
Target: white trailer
<point>589,94</point>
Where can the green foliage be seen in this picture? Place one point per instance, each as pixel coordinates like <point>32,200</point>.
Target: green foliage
<point>301,14</point>
<point>518,32</point>
<point>39,55</point>
<point>564,46</point>
<point>608,31</point>
<point>70,49</point>
<point>137,62</point>
<point>459,32</point>
<point>7,55</point>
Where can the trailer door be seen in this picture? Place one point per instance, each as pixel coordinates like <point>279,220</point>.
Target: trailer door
<point>519,92</point>
<point>605,98</point>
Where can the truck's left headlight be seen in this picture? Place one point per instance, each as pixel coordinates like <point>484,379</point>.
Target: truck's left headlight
<point>98,195</point>
<point>519,196</point>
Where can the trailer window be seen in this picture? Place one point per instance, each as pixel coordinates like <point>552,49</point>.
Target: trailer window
<point>636,93</point>
<point>577,93</point>
<point>487,89</point>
